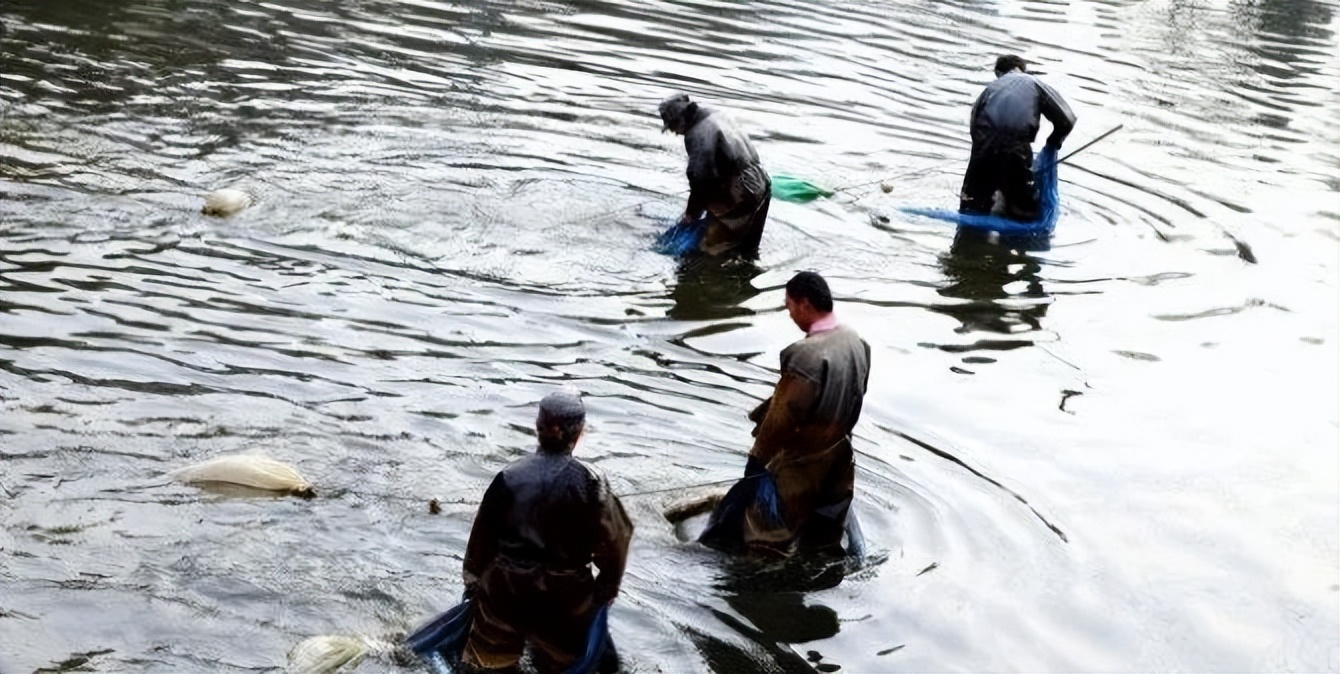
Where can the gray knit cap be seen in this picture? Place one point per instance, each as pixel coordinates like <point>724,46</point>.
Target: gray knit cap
<point>563,409</point>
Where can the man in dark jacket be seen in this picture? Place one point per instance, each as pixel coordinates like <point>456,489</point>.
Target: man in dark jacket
<point>802,437</point>
<point>726,180</point>
<point>1005,122</point>
<point>544,521</point>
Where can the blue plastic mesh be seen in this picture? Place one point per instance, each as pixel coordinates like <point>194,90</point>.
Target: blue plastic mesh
<point>440,641</point>
<point>681,238</point>
<point>597,640</point>
<point>1044,177</point>
<point>444,634</point>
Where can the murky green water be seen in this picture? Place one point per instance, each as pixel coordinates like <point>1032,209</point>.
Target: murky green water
<point>1115,455</point>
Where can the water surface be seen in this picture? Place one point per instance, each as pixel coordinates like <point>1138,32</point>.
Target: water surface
<point>1118,454</point>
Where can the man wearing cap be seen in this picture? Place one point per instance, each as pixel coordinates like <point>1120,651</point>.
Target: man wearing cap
<point>1004,124</point>
<point>802,436</point>
<point>543,523</point>
<point>726,181</point>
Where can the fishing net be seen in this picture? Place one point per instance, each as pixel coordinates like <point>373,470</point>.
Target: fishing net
<point>597,641</point>
<point>795,190</point>
<point>440,641</point>
<point>1044,178</point>
<point>725,528</point>
<point>682,238</point>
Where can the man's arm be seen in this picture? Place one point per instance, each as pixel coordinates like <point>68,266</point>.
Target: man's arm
<point>792,402</point>
<point>759,414</point>
<point>483,545</point>
<point>697,201</point>
<point>977,109</point>
<point>1058,112</point>
<point>611,552</point>
<point>701,144</point>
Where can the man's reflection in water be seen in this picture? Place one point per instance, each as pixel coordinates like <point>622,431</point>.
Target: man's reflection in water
<point>979,266</point>
<point>772,611</point>
<point>711,288</point>
<point>784,617</point>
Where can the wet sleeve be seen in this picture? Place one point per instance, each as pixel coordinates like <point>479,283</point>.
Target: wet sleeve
<point>483,545</point>
<point>615,531</point>
<point>759,414</point>
<point>977,110</point>
<point>792,405</point>
<point>1058,112</point>
<point>703,171</point>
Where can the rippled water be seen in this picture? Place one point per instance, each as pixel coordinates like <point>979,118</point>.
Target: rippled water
<point>1118,454</point>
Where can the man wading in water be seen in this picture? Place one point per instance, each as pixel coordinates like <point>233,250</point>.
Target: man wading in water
<point>1005,122</point>
<point>802,438</point>
<point>726,181</point>
<point>544,521</point>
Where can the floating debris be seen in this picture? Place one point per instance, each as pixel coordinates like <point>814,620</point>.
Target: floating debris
<point>333,653</point>
<point>226,202</point>
<point>248,470</point>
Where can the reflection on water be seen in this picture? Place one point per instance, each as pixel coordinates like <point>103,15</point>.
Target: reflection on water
<point>712,288</point>
<point>784,617</point>
<point>446,229</point>
<point>1000,285</point>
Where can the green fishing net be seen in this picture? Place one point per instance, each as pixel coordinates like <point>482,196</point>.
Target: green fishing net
<point>795,190</point>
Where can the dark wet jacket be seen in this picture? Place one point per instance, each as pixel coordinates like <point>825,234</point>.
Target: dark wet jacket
<point>1007,114</point>
<point>803,436</point>
<point>543,522</point>
<point>725,175</point>
<point>554,512</point>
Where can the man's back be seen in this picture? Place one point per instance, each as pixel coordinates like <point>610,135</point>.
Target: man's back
<point>1009,109</point>
<point>550,512</point>
<point>722,160</point>
<point>837,361</point>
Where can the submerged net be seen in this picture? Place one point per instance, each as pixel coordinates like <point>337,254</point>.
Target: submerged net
<point>444,635</point>
<point>1044,177</point>
<point>758,488</point>
<point>440,641</point>
<point>682,238</point>
<point>597,640</point>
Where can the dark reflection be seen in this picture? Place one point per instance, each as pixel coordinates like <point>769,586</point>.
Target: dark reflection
<point>979,268</point>
<point>1275,31</point>
<point>800,573</point>
<point>161,54</point>
<point>771,598</point>
<point>771,612</point>
<point>710,288</point>
<point>728,656</point>
<point>112,52</point>
<point>1276,50</point>
<point>784,617</point>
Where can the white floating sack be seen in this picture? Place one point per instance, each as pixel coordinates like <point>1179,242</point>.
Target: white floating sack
<point>247,470</point>
<point>225,202</point>
<point>334,653</point>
